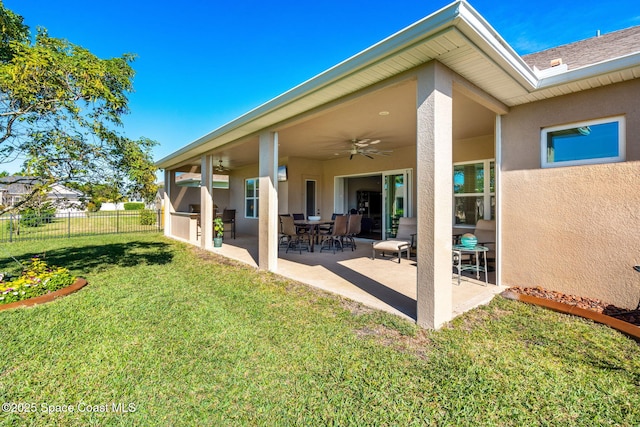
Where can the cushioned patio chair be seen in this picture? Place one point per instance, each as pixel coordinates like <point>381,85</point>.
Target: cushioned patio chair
<point>403,242</point>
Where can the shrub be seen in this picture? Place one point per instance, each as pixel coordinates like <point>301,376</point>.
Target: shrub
<point>147,217</point>
<point>11,225</point>
<point>31,217</point>
<point>94,206</point>
<point>133,206</point>
<point>36,279</point>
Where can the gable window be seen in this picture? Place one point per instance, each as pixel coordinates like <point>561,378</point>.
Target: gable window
<point>474,193</point>
<point>251,197</point>
<point>583,143</point>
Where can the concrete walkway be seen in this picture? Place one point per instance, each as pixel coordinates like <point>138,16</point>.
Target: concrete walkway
<point>381,283</point>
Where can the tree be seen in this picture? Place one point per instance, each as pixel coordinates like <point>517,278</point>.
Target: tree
<point>60,109</point>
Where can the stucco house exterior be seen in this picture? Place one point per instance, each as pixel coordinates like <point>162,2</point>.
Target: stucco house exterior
<point>547,145</point>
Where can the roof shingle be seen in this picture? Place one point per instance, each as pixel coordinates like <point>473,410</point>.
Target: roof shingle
<point>589,51</point>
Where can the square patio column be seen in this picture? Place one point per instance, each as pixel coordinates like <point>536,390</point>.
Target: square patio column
<point>206,202</point>
<point>434,195</point>
<point>169,177</point>
<point>268,202</point>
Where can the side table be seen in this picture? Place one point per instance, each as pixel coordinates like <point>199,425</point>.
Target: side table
<point>458,250</point>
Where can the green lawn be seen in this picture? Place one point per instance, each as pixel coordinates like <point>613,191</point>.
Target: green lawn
<point>187,338</point>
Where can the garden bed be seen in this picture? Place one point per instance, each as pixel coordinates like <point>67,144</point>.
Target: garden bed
<point>77,285</point>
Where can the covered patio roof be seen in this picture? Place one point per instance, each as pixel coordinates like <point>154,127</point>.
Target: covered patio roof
<point>456,35</point>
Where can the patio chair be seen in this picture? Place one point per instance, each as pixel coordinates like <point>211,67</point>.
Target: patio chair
<point>229,217</point>
<point>485,232</point>
<point>338,232</point>
<point>326,228</point>
<point>283,239</point>
<point>353,229</point>
<point>295,238</point>
<point>403,242</point>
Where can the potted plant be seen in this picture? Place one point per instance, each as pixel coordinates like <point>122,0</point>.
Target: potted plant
<point>218,232</point>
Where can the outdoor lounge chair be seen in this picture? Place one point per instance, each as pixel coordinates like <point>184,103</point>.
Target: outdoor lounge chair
<point>403,242</point>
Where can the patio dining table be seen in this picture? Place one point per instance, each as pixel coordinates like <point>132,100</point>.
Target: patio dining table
<point>313,227</point>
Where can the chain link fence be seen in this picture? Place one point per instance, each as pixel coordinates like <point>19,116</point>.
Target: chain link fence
<point>47,225</point>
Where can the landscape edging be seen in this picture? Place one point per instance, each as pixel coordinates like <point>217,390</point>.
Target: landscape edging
<point>78,284</point>
<point>622,326</point>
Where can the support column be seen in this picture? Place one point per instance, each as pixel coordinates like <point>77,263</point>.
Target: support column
<point>206,202</point>
<point>268,201</point>
<point>169,178</point>
<point>434,195</point>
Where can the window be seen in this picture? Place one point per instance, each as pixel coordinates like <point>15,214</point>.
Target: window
<point>590,142</point>
<point>474,192</point>
<point>251,197</point>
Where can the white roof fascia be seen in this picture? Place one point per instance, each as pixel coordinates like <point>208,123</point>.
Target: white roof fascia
<point>496,47</point>
<point>591,71</point>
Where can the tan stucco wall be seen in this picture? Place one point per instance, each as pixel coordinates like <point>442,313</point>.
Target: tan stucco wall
<point>521,127</point>
<point>572,229</point>
<point>479,148</point>
<point>299,171</point>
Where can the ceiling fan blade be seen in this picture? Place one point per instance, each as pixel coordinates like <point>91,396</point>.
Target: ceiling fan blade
<point>366,155</point>
<point>374,142</point>
<point>351,157</point>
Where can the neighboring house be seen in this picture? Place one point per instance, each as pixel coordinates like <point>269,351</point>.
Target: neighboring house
<point>547,145</point>
<point>14,188</point>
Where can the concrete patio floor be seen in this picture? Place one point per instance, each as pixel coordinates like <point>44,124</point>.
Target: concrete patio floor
<point>381,283</point>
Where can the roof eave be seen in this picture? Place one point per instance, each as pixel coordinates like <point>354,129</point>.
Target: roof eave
<point>590,71</point>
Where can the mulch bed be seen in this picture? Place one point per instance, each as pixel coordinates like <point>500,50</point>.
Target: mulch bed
<point>626,315</point>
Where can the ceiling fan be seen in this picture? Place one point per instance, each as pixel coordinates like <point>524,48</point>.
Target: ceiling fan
<point>363,147</point>
<point>220,167</point>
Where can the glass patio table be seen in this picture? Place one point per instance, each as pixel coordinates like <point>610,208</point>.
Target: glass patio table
<point>459,250</point>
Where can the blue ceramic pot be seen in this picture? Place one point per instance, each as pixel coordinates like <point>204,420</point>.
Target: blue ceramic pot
<point>468,240</point>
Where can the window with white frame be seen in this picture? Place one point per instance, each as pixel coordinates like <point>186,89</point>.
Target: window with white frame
<point>251,197</point>
<point>583,143</point>
<point>474,193</point>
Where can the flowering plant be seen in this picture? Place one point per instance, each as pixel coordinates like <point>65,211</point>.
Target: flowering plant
<point>37,278</point>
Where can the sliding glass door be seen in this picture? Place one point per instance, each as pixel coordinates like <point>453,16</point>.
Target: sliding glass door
<point>396,194</point>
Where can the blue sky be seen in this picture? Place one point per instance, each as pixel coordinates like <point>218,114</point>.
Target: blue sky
<point>202,63</point>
